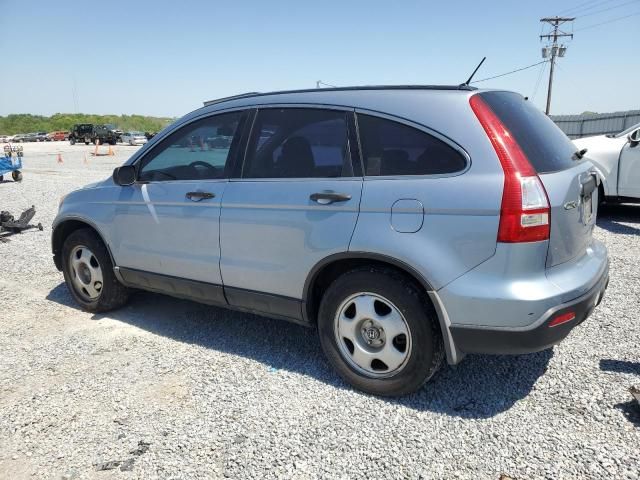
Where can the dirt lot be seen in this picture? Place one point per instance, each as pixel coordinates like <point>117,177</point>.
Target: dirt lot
<point>166,388</point>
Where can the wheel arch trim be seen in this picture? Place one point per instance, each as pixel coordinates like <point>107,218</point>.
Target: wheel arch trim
<point>453,355</point>
<point>56,243</point>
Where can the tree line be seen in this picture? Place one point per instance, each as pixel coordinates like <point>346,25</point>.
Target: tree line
<point>27,123</point>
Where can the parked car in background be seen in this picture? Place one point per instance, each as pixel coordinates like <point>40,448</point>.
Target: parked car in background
<point>40,136</point>
<point>81,132</point>
<point>134,138</point>
<point>115,131</point>
<point>18,138</point>
<point>616,158</point>
<point>57,136</point>
<point>408,224</point>
<point>29,137</point>
<point>104,134</point>
<point>5,138</point>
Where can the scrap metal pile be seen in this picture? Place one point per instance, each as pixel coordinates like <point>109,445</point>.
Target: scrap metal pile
<point>10,226</point>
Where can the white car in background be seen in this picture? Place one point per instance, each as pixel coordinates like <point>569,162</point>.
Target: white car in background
<point>617,161</point>
<point>134,138</point>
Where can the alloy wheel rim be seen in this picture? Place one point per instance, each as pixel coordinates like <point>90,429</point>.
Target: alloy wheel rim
<point>86,273</point>
<point>372,335</point>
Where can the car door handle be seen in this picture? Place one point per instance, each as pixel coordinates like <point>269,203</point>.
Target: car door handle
<point>325,198</point>
<point>198,196</point>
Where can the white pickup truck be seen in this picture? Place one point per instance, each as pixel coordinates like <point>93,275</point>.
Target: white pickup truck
<point>617,160</point>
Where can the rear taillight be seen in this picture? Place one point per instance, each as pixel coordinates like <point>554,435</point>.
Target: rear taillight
<point>525,212</point>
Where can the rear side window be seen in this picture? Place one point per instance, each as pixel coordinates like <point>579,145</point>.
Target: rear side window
<point>547,148</point>
<point>298,143</point>
<point>392,148</point>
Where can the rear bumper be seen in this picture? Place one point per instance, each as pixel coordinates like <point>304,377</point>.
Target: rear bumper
<point>535,337</point>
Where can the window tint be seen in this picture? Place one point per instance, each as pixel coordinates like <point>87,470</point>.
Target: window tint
<point>391,148</point>
<point>298,143</point>
<point>547,148</point>
<point>197,151</point>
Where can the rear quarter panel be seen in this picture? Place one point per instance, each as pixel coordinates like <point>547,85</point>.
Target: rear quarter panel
<point>461,211</point>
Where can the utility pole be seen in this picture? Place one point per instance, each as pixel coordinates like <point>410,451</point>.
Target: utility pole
<point>555,49</point>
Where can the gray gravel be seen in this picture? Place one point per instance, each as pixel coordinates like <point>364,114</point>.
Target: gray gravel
<point>171,389</point>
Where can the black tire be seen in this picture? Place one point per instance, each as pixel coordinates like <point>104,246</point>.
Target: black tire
<point>601,198</point>
<point>72,141</point>
<point>113,294</point>
<point>1,178</point>
<point>16,175</point>
<point>427,352</point>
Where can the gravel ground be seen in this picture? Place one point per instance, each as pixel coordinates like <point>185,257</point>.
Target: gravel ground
<point>172,389</point>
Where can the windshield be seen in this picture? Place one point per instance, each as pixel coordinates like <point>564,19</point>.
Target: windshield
<point>625,132</point>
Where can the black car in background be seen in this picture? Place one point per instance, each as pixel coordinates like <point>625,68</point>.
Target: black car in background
<point>90,133</point>
<point>81,132</point>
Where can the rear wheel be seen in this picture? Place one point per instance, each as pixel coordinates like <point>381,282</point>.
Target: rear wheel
<point>72,141</point>
<point>16,175</point>
<point>89,275</point>
<point>379,332</point>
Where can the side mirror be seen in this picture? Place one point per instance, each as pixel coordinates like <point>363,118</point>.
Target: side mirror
<point>634,138</point>
<point>124,175</point>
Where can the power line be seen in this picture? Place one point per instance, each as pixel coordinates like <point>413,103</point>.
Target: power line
<point>320,82</point>
<point>607,9</point>
<point>608,21</point>
<point>586,6</point>
<point>540,74</point>
<point>509,73</point>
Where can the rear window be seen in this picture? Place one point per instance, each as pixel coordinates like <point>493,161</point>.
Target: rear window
<point>545,145</point>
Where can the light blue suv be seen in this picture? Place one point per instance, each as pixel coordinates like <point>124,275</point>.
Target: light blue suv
<point>408,224</point>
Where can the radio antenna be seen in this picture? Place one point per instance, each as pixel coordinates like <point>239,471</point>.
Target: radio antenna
<point>466,84</point>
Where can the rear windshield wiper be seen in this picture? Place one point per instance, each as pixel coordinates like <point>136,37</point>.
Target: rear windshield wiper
<point>579,154</point>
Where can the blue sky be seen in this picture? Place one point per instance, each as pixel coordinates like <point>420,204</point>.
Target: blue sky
<point>165,58</point>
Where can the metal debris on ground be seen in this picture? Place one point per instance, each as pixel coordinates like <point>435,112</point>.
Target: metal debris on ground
<point>142,448</point>
<point>125,465</point>
<point>10,226</point>
<point>110,465</point>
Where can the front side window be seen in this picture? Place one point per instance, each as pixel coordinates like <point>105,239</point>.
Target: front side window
<point>392,148</point>
<point>198,151</point>
<point>298,143</point>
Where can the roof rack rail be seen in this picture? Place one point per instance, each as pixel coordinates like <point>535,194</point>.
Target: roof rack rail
<point>232,97</point>
<point>342,89</point>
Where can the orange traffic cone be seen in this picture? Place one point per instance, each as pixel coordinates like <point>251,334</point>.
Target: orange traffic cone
<point>86,162</point>
<point>110,152</point>
<point>60,158</point>
<point>191,149</point>
<point>95,152</point>
<point>201,144</point>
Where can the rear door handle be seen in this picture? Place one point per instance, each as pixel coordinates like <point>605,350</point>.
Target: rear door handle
<point>325,198</point>
<point>198,196</point>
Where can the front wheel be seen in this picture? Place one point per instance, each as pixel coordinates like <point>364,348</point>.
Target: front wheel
<point>16,175</point>
<point>89,275</point>
<point>379,332</point>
